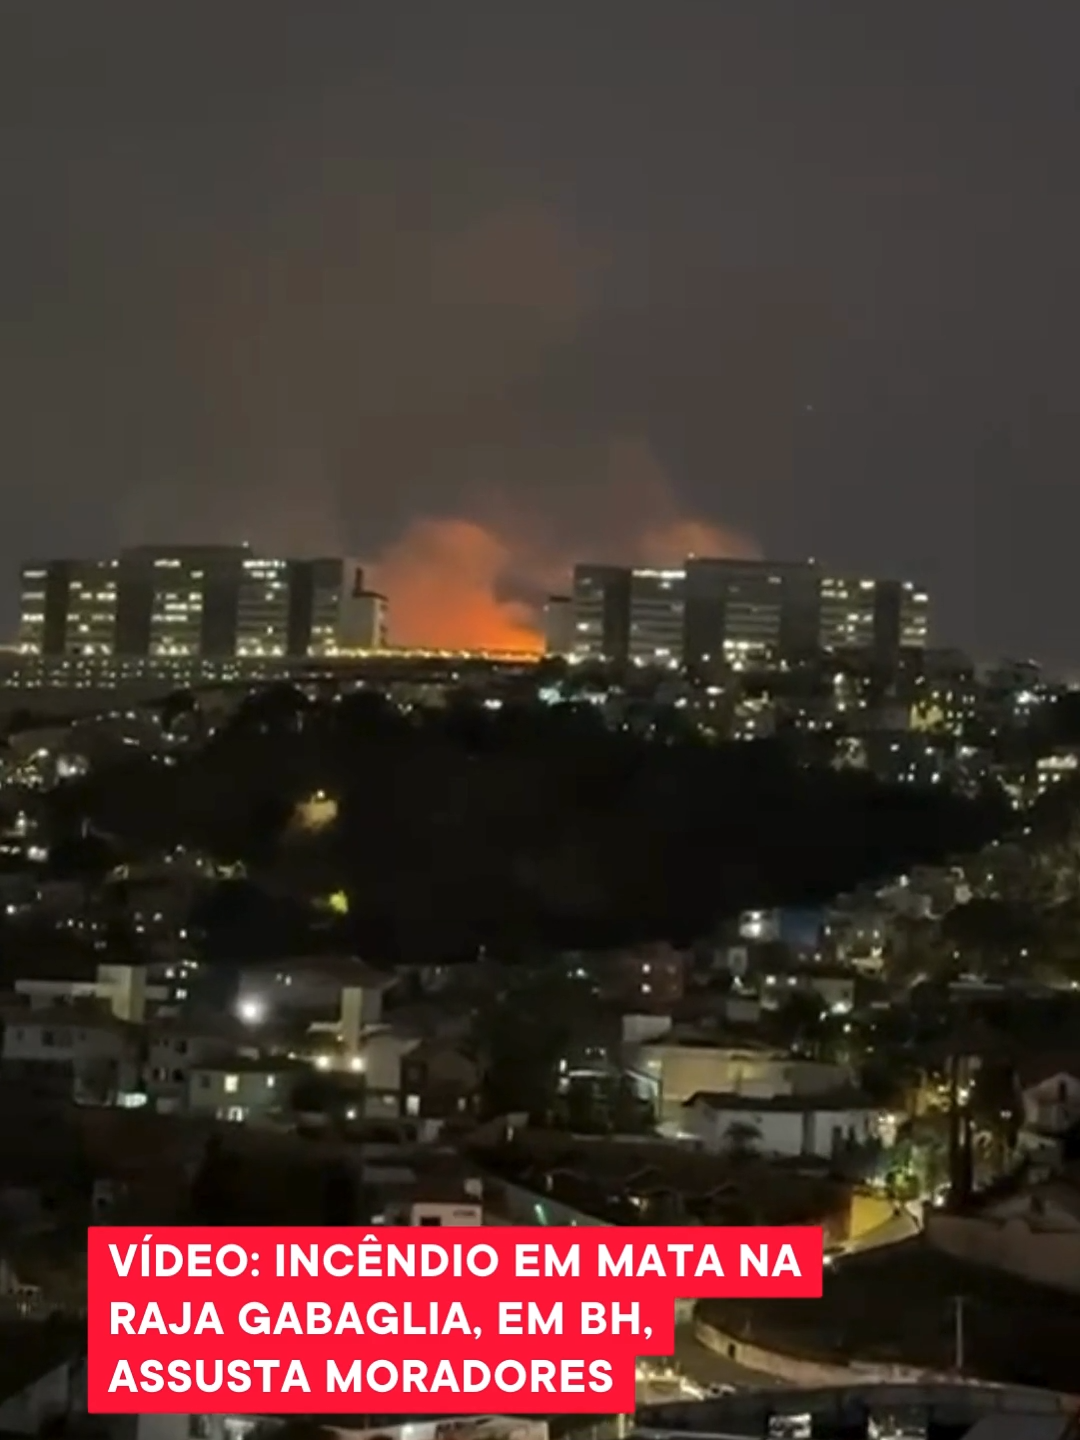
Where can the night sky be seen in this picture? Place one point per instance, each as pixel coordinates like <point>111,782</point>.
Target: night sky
<point>475,288</point>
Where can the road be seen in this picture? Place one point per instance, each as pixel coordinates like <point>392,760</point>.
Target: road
<point>704,1368</point>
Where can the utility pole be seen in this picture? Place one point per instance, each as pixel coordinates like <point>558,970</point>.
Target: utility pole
<point>958,1334</point>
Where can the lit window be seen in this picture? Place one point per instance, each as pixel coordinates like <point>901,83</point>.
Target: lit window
<point>412,1104</point>
<point>232,1084</point>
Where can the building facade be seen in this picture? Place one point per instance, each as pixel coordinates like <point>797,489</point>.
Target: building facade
<point>717,614</point>
<point>206,602</point>
<point>559,625</point>
<point>601,601</point>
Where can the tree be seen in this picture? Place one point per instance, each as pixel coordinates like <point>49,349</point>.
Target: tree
<point>742,1139</point>
<point>524,1035</point>
<point>213,1194</point>
<point>340,1195</point>
<point>318,1094</point>
<point>992,937</point>
<point>800,1021</point>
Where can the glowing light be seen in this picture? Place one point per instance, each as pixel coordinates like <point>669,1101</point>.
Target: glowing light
<point>252,1011</point>
<point>317,812</point>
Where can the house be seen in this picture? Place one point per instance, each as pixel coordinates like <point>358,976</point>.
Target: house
<point>78,1052</point>
<point>782,1126</point>
<point>674,1070</point>
<point>1032,1230</point>
<point>243,1090</point>
<point>858,936</point>
<point>648,978</point>
<point>173,1049</point>
<point>836,989</point>
<point>438,1082</point>
<point>43,1377</point>
<point>1049,1089</point>
<point>122,989</point>
<point>448,1204</point>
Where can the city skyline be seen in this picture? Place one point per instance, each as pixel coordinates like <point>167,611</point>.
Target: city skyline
<point>219,602</point>
<point>724,276</point>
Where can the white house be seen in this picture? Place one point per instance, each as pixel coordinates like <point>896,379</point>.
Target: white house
<point>1034,1232</point>
<point>242,1090</point>
<point>675,1072</point>
<point>173,1050</point>
<point>122,989</point>
<point>83,1053</point>
<point>783,1126</point>
<point>1050,1095</point>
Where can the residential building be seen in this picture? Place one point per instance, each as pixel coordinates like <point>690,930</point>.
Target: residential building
<point>74,1051</point>
<point>381,1055</point>
<point>464,1211</point>
<point>438,1082</point>
<point>674,1070</point>
<point>242,1090</point>
<point>648,979</point>
<point>120,989</point>
<point>782,1126</point>
<point>1049,1092</point>
<point>1030,1230</point>
<point>173,1050</point>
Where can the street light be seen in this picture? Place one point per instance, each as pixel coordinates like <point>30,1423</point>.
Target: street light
<point>252,1011</point>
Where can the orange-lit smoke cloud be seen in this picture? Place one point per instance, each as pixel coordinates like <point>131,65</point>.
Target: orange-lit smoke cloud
<point>441,579</point>
<point>448,579</point>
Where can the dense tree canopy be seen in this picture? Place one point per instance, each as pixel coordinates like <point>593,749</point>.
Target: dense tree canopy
<point>525,826</point>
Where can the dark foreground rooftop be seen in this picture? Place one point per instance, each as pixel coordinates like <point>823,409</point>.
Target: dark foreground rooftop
<point>898,1305</point>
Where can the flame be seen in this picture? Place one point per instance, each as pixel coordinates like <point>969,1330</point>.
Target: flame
<point>442,579</point>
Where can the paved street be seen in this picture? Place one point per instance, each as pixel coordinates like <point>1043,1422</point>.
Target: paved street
<point>703,1367</point>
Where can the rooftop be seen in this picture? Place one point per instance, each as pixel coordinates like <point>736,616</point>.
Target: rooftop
<point>607,1179</point>
<point>30,1349</point>
<point>84,1015</point>
<point>1014,1333</point>
<point>253,1065</point>
<point>847,1099</point>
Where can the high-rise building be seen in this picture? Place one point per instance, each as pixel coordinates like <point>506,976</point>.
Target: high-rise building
<point>656,606</point>
<point>743,612</point>
<point>881,617</point>
<point>263,608</point>
<point>198,602</point>
<point>559,625</point>
<point>364,622</point>
<point>601,600</point>
<point>719,613</point>
<point>68,607</point>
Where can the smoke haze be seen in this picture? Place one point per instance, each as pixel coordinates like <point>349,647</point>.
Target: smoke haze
<point>480,582</point>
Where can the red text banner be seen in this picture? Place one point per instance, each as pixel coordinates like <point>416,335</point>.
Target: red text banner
<point>244,1320</point>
